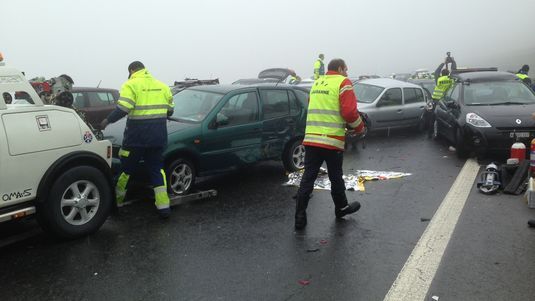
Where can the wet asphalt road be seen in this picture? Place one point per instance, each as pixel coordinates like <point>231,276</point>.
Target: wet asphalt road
<point>241,245</point>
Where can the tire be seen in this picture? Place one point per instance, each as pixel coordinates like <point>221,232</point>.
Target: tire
<point>460,147</point>
<point>181,175</point>
<point>294,156</point>
<point>78,203</point>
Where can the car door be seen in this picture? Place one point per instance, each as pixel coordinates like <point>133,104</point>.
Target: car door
<point>446,113</point>
<point>233,136</point>
<point>277,121</point>
<point>413,105</point>
<point>389,112</point>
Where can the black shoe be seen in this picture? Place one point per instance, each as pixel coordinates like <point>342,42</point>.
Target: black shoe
<point>164,213</point>
<point>300,220</point>
<point>531,223</point>
<point>350,208</point>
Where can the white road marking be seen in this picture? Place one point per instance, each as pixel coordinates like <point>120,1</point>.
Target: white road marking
<point>415,278</point>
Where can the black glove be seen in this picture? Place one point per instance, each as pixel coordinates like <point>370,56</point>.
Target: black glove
<point>170,112</point>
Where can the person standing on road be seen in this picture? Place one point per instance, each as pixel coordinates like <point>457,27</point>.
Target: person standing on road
<point>443,84</point>
<point>147,102</point>
<point>319,67</point>
<point>523,75</point>
<point>332,109</point>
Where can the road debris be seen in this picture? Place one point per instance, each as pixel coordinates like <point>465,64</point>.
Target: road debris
<point>353,181</point>
<point>304,282</point>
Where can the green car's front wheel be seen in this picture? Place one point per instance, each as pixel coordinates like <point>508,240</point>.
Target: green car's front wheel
<point>180,176</point>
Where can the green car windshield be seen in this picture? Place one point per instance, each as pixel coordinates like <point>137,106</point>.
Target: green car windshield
<point>194,105</point>
<point>367,93</point>
<point>498,93</point>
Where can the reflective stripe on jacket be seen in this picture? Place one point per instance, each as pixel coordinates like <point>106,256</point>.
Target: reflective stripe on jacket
<point>443,84</point>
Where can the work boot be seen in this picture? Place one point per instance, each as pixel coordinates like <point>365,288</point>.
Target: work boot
<point>300,220</point>
<point>164,213</point>
<point>531,223</point>
<point>301,205</point>
<point>350,208</point>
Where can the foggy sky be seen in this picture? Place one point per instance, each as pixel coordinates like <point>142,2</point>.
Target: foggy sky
<point>231,39</point>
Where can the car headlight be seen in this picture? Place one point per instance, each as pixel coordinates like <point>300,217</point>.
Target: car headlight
<point>477,121</point>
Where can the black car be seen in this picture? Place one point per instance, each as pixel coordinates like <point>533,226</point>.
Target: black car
<point>485,111</point>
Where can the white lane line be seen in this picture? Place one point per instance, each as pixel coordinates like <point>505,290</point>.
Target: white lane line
<point>418,272</point>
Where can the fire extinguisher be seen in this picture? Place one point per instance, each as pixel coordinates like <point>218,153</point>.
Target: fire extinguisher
<point>518,151</point>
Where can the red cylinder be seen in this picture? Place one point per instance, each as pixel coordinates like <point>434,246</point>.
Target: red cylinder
<point>532,156</point>
<point>518,151</point>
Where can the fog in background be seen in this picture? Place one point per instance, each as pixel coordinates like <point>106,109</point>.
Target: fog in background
<point>96,40</point>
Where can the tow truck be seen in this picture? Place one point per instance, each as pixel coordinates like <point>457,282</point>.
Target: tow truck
<point>51,163</point>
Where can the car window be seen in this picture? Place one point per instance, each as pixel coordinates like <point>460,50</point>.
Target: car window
<point>194,105</point>
<point>367,93</point>
<point>99,99</point>
<point>455,93</point>
<point>302,96</point>
<point>79,101</point>
<point>413,95</point>
<point>22,98</point>
<point>241,109</point>
<point>392,97</point>
<point>497,93</point>
<point>274,103</point>
<point>295,108</point>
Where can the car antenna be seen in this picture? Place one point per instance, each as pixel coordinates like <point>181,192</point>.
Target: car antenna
<point>99,83</point>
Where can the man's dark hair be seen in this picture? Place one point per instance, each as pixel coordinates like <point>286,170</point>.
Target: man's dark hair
<point>524,69</point>
<point>445,72</point>
<point>135,66</point>
<point>334,64</point>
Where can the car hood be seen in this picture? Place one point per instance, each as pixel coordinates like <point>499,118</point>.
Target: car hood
<point>115,132</point>
<point>505,115</point>
<point>361,106</point>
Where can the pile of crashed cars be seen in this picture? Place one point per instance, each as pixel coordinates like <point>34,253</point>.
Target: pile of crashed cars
<point>219,128</point>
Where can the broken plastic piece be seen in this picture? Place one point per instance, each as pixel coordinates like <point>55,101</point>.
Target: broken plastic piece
<point>304,282</point>
<point>323,242</point>
<point>435,298</point>
<point>312,250</point>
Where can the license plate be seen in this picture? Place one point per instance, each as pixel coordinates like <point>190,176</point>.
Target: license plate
<point>519,135</point>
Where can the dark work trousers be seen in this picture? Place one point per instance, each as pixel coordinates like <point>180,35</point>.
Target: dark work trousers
<point>151,156</point>
<point>314,158</point>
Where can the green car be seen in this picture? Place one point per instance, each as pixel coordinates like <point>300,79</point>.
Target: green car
<point>219,128</point>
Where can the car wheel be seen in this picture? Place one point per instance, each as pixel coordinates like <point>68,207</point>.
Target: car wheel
<point>180,177</point>
<point>78,203</point>
<point>294,156</point>
<point>460,147</point>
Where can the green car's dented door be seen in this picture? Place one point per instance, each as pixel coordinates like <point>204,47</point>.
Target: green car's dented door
<point>233,135</point>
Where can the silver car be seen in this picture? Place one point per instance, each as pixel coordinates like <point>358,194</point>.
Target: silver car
<point>390,103</point>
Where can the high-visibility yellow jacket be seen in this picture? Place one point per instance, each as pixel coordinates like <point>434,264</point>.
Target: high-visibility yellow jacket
<point>319,68</point>
<point>332,107</point>
<point>443,84</point>
<point>147,101</point>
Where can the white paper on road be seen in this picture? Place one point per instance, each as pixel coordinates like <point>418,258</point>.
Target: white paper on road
<point>353,181</point>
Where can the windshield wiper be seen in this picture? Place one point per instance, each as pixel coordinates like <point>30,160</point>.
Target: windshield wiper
<point>511,103</point>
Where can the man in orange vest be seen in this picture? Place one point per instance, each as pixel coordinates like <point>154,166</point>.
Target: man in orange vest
<point>332,109</point>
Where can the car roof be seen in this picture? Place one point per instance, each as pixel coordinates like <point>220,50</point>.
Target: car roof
<point>91,89</point>
<point>484,76</point>
<point>388,83</point>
